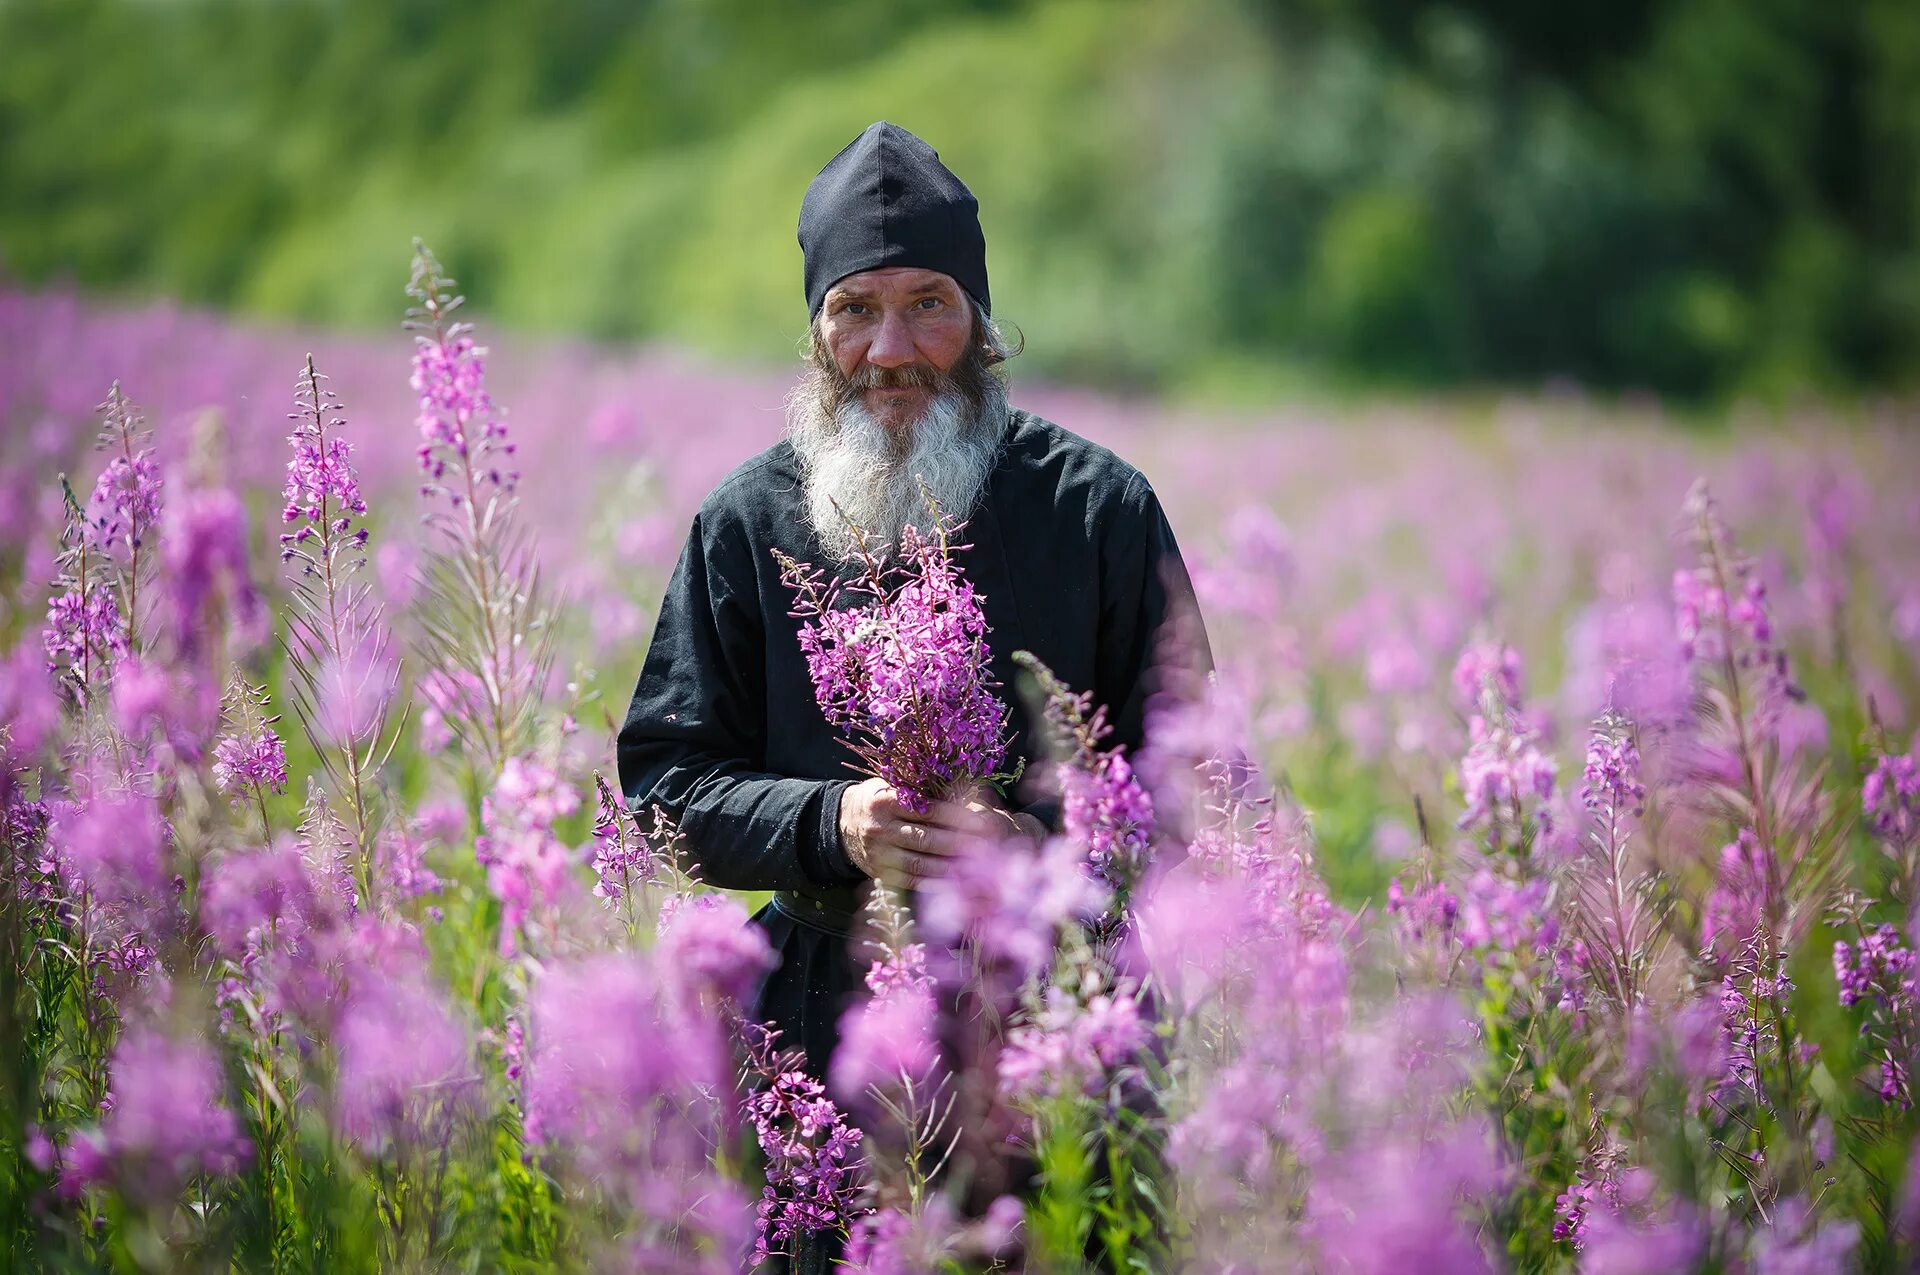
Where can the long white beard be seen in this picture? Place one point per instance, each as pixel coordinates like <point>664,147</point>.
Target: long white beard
<point>873,473</point>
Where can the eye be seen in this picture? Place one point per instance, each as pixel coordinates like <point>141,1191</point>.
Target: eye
<point>853,307</point>
<point>929,303</point>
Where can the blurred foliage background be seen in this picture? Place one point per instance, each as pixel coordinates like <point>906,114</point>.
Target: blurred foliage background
<point>1699,197</point>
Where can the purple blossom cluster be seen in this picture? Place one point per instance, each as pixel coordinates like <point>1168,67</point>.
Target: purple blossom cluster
<point>84,631</point>
<point>1890,797</point>
<point>1487,666</point>
<point>1743,907</point>
<point>620,1071</point>
<point>1753,994</point>
<point>322,491</point>
<point>209,594</point>
<point>1611,780</point>
<point>905,674</point>
<point>1879,971</point>
<point>889,1039</point>
<point>406,1070</point>
<point>1596,1189</point>
<point>711,949</point>
<point>114,851</point>
<point>1001,908</point>
<point>257,760</point>
<point>124,507</point>
<point>251,899</point>
<point>1106,809</point>
<point>529,868</point>
<point>1503,918</point>
<point>1425,913</point>
<point>460,427</point>
<point>892,1241</point>
<point>1723,620</point>
<point>1071,1044</point>
<point>1505,778</point>
<point>168,1122</point>
<point>622,857</point>
<point>812,1164</point>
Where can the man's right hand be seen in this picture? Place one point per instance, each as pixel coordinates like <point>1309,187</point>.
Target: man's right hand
<point>897,847</point>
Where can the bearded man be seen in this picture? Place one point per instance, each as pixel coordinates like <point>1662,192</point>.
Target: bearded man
<point>1067,546</point>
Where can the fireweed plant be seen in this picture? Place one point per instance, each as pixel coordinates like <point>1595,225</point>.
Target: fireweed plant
<point>322,946</point>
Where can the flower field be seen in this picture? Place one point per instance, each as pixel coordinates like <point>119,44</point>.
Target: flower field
<point>1531,888</point>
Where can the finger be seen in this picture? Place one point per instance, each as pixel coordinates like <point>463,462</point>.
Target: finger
<point>930,839</point>
<point>923,866</point>
<point>885,802</point>
<point>973,820</point>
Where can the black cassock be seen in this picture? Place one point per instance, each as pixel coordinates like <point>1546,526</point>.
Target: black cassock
<point>1074,561</point>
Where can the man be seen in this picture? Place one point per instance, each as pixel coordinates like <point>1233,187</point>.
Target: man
<point>1066,544</point>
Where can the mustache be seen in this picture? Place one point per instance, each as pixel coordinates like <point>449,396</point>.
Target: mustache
<point>908,376</point>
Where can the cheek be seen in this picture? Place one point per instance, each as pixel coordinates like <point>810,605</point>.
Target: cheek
<point>944,347</point>
<point>845,349</point>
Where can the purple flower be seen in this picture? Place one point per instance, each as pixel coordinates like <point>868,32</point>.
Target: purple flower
<point>1879,971</point>
<point>321,487</point>
<point>813,1183</point>
<point>460,428</point>
<point>1483,664</point>
<point>1595,1189</point>
<point>204,573</point>
<point>905,676</point>
<point>256,762</point>
<point>897,1242</point>
<point>1070,1046</point>
<point>1008,903</point>
<point>622,858</point>
<point>619,1076</point>
<point>1611,781</point>
<point>1504,918</point>
<point>1741,906</point>
<point>1796,1242</point>
<point>1503,775</point>
<point>1425,913</point>
<point>84,633</point>
<point>248,891</point>
<point>29,712</point>
<point>125,505</point>
<point>1890,797</point>
<point>1732,635</point>
<point>404,873</point>
<point>169,1121</point>
<point>1105,809</point>
<point>1397,1206</point>
<point>404,1064</point>
<point>711,949</point>
<point>115,847</point>
<point>528,867</point>
<point>1879,967</point>
<point>1616,1245</point>
<point>885,1041</point>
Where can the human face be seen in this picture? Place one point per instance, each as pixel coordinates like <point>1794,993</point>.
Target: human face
<point>894,332</point>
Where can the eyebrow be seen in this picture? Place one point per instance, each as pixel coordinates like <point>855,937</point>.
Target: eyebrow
<point>859,294</point>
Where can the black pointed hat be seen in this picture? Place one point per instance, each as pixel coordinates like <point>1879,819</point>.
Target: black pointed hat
<point>887,200</point>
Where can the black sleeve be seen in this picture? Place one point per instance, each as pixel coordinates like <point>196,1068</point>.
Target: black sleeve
<point>693,742</point>
<point>1146,600</point>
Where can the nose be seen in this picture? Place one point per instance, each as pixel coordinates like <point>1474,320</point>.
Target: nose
<point>892,344</point>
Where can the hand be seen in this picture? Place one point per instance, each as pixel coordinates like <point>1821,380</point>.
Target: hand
<point>982,800</point>
<point>900,848</point>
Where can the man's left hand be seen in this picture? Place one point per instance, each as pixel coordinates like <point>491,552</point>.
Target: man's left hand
<point>978,811</point>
